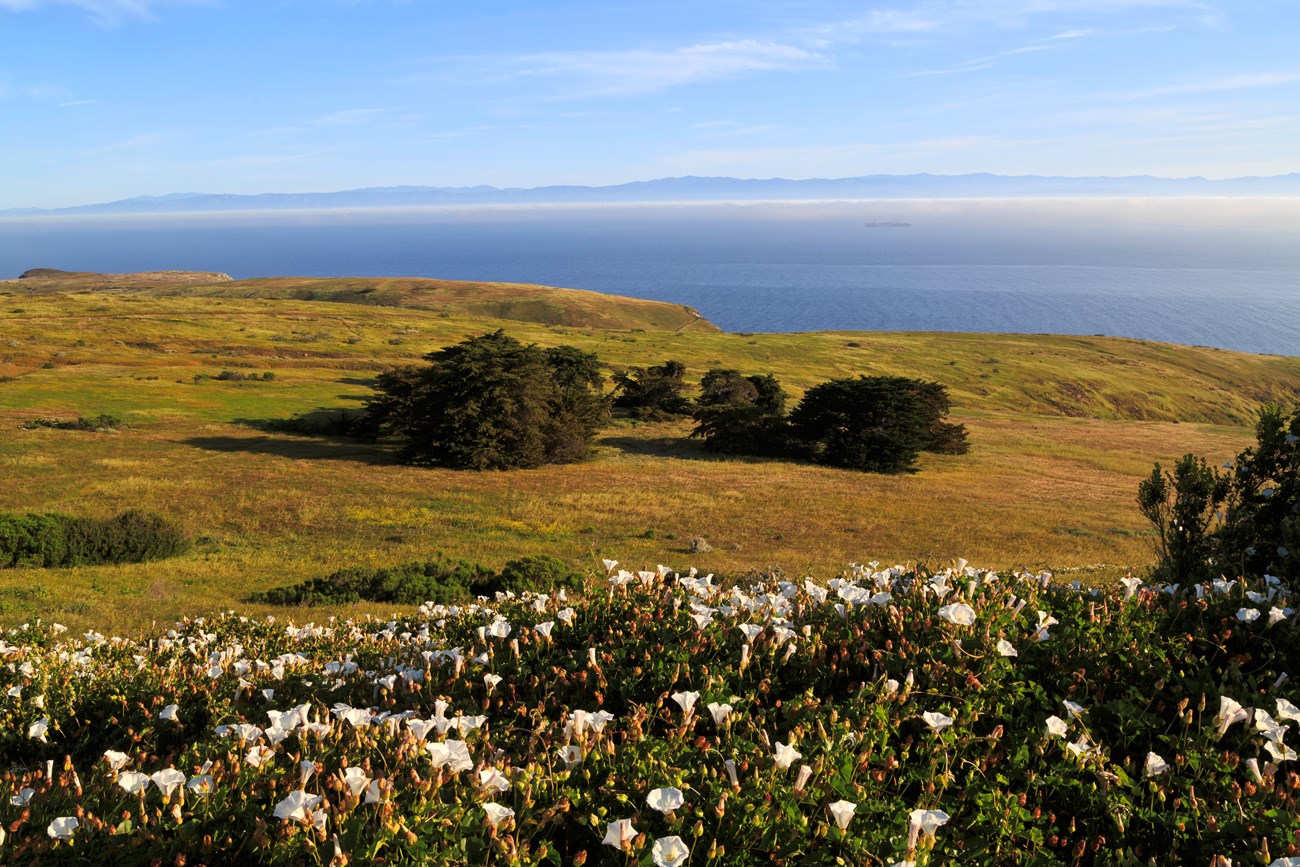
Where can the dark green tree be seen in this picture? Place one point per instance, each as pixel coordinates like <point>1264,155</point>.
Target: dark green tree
<point>652,393</point>
<point>737,414</point>
<point>1261,527</point>
<point>1181,507</point>
<point>491,402</point>
<point>873,423</point>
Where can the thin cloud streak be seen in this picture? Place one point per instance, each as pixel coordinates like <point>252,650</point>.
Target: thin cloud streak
<point>635,71</point>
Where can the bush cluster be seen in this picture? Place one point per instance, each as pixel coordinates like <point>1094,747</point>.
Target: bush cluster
<point>1242,521</point>
<point>236,376</point>
<point>442,581</point>
<point>55,540</point>
<point>101,422</point>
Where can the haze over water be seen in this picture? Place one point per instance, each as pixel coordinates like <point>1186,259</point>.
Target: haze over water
<point>1215,272</point>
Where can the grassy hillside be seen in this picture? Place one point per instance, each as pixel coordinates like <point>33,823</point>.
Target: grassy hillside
<point>1062,428</point>
<point>520,302</point>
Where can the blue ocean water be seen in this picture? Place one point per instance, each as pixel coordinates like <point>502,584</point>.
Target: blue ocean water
<point>1222,273</point>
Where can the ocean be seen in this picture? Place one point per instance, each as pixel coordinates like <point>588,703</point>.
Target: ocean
<point>1213,272</point>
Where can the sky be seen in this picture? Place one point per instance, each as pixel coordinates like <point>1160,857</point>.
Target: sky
<point>109,99</point>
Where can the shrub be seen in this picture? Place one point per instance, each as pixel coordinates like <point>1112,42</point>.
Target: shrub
<point>440,581</point>
<point>492,403</point>
<point>1245,521</point>
<point>540,573</point>
<point>55,540</point>
<point>653,393</point>
<point>93,423</point>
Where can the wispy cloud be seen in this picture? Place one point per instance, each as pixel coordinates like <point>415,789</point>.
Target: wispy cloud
<point>1217,85</point>
<point>108,12</point>
<point>610,73</point>
<point>349,117</point>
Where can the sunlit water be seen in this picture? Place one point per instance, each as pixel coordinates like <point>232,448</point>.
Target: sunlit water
<point>1220,273</point>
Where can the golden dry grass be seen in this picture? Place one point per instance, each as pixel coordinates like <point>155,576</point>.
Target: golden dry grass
<point>1062,430</point>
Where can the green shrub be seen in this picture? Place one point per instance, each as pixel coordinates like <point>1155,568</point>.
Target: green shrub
<point>441,581</point>
<point>55,540</point>
<point>540,573</point>
<point>94,423</point>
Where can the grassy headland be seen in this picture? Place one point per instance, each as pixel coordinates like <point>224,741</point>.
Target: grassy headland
<point>1062,429</point>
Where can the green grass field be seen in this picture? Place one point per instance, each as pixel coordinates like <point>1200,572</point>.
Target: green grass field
<point>1062,429</point>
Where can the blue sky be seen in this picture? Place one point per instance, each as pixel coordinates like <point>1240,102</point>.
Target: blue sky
<point>107,99</point>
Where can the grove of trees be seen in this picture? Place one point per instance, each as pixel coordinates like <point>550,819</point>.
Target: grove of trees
<point>490,402</point>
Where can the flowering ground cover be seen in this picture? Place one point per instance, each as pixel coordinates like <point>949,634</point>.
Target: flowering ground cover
<point>886,716</point>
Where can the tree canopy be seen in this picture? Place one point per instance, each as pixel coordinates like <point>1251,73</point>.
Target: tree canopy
<point>490,402</point>
<point>875,423</point>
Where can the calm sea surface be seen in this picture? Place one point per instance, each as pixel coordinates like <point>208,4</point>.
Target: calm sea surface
<point>1220,273</point>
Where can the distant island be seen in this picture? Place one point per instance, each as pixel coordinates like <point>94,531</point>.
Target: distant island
<point>695,189</point>
<point>886,225</point>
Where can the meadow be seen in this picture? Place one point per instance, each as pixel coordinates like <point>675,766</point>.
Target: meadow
<point>1062,429</point>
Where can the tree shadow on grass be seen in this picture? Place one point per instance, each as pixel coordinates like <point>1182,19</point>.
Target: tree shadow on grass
<point>301,448</point>
<point>678,447</point>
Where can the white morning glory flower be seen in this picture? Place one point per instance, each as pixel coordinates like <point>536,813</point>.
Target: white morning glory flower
<point>62,827</point>
<point>842,812</point>
<point>958,613</point>
<point>297,806</point>
<point>785,755</point>
<point>619,834</point>
<point>670,852</point>
<point>496,813</point>
<point>666,800</point>
<point>1155,765</point>
<point>937,721</point>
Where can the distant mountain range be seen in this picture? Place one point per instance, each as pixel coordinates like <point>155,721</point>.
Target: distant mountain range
<point>693,189</point>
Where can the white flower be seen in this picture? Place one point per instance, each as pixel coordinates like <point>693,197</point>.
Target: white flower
<point>1076,710</point>
<point>169,712</point>
<point>670,852</point>
<point>493,780</point>
<point>1155,766</point>
<point>1056,726</point>
<point>719,712</point>
<point>1005,648</point>
<point>356,780</point>
<point>786,755</point>
<point>925,822</point>
<point>23,798</point>
<point>259,755</point>
<point>751,631</point>
<point>1280,751</point>
<point>297,806</point>
<point>496,813</point>
<point>1230,712</point>
<point>571,756</point>
<point>168,780</point>
<point>842,812</point>
<point>132,782</point>
<point>200,785</point>
<point>491,680</point>
<point>62,827</point>
<point>1131,586</point>
<point>958,613</point>
<point>937,721</point>
<point>666,800</point>
<point>116,761</point>
<point>1287,711</point>
<point>454,754</point>
<point>544,629</point>
<point>38,729</point>
<point>1079,748</point>
<point>619,833</point>
<point>1248,615</point>
<point>686,700</point>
